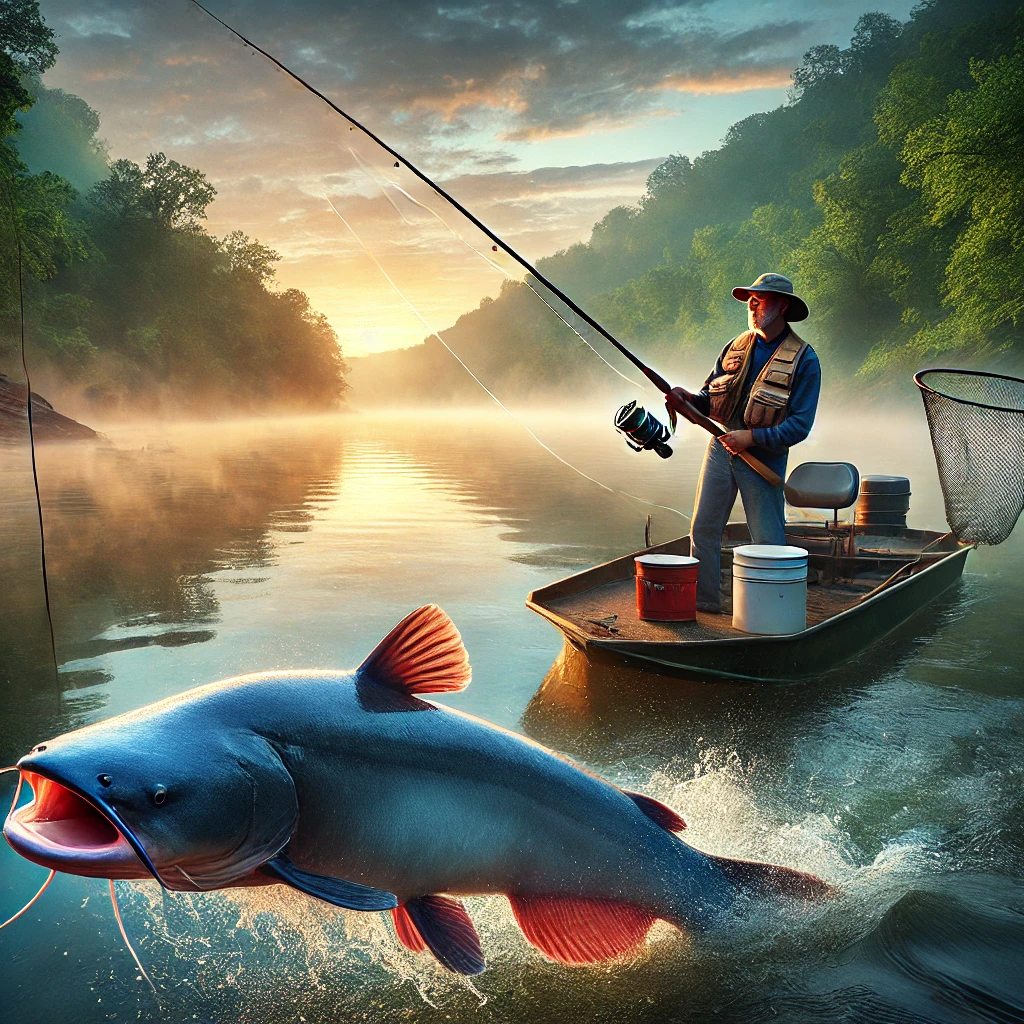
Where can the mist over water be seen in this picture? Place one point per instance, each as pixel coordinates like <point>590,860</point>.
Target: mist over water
<point>180,554</point>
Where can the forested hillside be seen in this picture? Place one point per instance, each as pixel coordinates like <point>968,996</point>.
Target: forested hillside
<point>129,302</point>
<point>890,187</point>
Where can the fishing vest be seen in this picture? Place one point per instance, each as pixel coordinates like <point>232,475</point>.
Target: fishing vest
<point>769,394</point>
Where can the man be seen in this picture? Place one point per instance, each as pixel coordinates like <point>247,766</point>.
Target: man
<point>764,391</point>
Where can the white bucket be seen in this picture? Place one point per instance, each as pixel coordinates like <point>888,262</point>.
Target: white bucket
<point>769,589</point>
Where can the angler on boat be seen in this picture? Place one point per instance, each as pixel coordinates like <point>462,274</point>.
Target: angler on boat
<point>764,390</point>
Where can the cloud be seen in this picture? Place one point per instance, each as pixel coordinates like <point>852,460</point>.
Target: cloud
<point>727,81</point>
<point>463,88</point>
<point>521,70</point>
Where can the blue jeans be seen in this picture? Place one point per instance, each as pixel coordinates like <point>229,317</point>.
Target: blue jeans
<point>721,476</point>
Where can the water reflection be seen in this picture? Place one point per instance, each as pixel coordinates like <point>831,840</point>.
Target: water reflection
<point>181,554</point>
<point>594,703</point>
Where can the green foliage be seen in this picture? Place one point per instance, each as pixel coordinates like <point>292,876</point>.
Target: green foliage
<point>247,256</point>
<point>163,310</point>
<point>890,188</point>
<point>50,237</point>
<point>59,133</point>
<point>64,320</point>
<point>128,298</point>
<point>25,38</point>
<point>968,163</point>
<point>163,191</point>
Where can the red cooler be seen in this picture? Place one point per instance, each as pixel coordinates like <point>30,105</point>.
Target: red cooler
<point>666,587</point>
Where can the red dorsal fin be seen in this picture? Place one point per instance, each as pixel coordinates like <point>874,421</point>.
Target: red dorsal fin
<point>406,931</point>
<point>581,931</point>
<point>657,811</point>
<point>773,880</point>
<point>422,654</point>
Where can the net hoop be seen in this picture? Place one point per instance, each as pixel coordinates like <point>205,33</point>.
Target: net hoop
<point>976,422</point>
<point>921,374</point>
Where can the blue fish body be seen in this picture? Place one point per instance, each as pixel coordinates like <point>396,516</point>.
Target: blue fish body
<point>352,788</point>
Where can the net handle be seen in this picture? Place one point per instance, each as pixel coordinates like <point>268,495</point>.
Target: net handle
<point>969,373</point>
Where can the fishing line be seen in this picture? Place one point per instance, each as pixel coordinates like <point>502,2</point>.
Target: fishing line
<point>658,381</point>
<point>496,266</point>
<point>494,397</point>
<point>124,935</point>
<point>511,277</point>
<point>28,906</point>
<point>368,170</point>
<point>655,378</point>
<point>32,440</point>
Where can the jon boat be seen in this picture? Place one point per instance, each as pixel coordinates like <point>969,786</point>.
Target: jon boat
<point>861,586</point>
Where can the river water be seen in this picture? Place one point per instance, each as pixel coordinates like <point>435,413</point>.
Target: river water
<point>182,554</point>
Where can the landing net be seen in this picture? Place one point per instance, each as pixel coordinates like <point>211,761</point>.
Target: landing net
<point>976,421</point>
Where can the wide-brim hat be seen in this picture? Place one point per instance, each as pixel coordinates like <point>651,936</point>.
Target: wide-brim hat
<point>797,308</point>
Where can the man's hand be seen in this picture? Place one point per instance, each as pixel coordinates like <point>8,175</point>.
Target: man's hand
<point>737,441</point>
<point>677,400</point>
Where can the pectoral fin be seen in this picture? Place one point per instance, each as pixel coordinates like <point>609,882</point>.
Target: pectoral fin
<point>406,931</point>
<point>441,924</point>
<point>350,895</point>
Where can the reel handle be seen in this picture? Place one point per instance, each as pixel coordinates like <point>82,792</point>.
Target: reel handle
<point>713,428</point>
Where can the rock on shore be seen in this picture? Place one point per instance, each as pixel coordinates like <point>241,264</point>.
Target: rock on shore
<point>47,423</point>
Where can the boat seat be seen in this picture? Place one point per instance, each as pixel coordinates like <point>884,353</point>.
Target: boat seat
<point>833,485</point>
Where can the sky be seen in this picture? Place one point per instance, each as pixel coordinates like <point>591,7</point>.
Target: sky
<point>538,115</point>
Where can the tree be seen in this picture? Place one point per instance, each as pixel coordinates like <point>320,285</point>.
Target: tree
<point>13,97</point>
<point>249,257</point>
<point>875,34</point>
<point>50,236</point>
<point>671,174</point>
<point>969,166</point>
<point>165,191</point>
<point>120,194</point>
<point>175,195</point>
<point>25,37</point>
<point>820,63</point>
<point>59,133</point>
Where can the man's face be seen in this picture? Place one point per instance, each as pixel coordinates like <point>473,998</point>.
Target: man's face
<point>763,309</point>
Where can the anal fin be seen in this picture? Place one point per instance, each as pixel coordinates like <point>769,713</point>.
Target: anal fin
<point>442,925</point>
<point>349,895</point>
<point>581,931</point>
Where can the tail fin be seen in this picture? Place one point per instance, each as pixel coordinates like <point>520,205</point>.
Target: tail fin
<point>773,880</point>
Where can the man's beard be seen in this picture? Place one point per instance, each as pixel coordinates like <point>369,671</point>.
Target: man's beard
<point>767,319</point>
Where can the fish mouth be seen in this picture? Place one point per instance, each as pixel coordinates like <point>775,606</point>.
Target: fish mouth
<point>64,830</point>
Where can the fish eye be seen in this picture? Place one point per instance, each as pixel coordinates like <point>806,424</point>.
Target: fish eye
<point>160,796</point>
<point>104,780</point>
<point>40,748</point>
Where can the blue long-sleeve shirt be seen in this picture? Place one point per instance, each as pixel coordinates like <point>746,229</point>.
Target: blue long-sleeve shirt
<point>772,444</point>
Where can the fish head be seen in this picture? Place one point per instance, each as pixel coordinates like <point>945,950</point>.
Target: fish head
<point>196,803</point>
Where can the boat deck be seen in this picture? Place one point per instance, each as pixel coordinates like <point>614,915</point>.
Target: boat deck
<point>852,601</point>
<point>609,611</point>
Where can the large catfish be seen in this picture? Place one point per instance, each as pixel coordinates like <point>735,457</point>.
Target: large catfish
<point>352,789</point>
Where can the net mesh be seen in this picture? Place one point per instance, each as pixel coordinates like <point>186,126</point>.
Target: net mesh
<point>977,426</point>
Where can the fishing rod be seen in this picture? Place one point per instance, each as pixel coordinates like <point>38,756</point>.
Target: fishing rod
<point>653,376</point>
